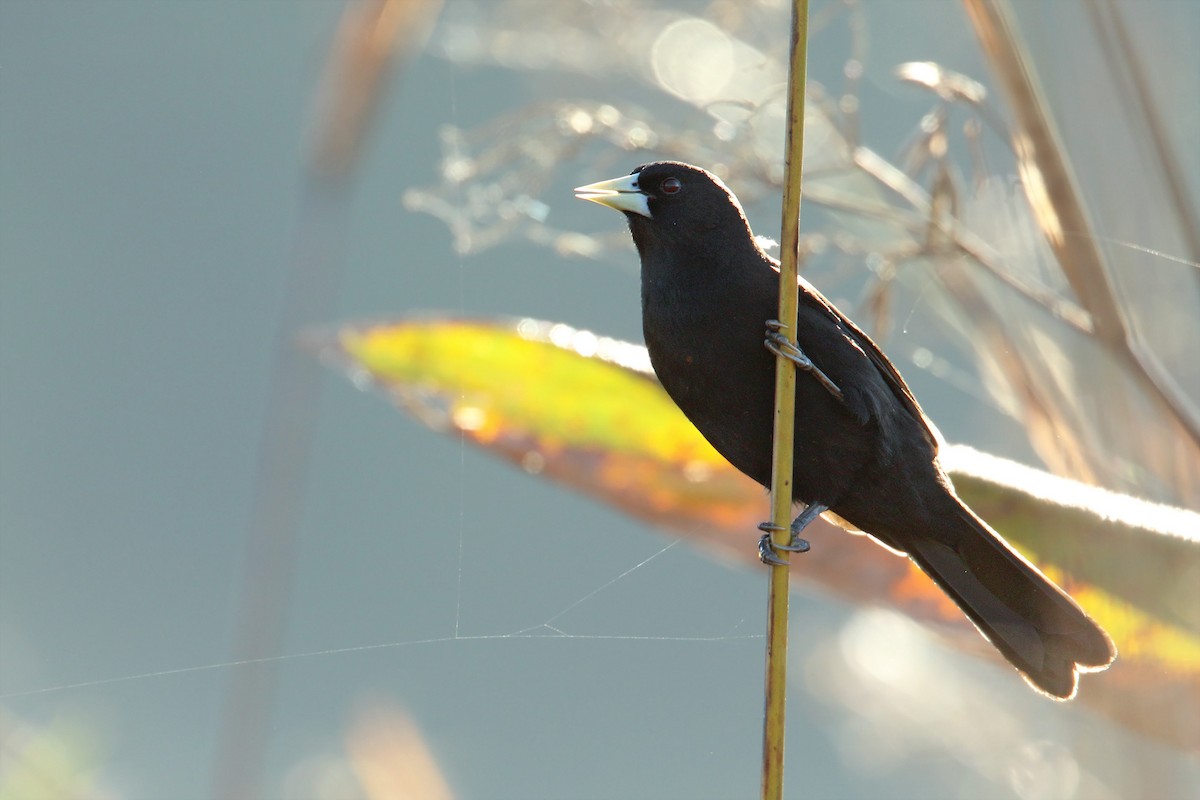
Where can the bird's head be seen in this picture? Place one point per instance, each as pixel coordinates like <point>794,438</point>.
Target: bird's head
<point>671,203</point>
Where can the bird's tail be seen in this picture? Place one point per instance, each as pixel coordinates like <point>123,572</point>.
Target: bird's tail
<point>1035,624</point>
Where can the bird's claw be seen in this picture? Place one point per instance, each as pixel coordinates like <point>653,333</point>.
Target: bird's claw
<point>795,545</point>
<point>767,548</point>
<point>779,344</point>
<point>766,552</point>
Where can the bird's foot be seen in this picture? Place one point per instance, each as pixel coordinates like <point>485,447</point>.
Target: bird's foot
<point>767,549</point>
<point>778,343</point>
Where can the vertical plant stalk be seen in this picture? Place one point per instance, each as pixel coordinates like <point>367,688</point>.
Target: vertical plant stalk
<point>785,414</point>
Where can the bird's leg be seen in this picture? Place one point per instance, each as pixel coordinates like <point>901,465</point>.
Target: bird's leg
<point>767,546</point>
<point>779,344</point>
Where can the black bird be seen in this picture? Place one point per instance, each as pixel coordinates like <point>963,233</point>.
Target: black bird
<point>864,450</point>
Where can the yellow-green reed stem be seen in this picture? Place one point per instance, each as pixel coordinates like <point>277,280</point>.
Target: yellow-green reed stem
<point>785,405</point>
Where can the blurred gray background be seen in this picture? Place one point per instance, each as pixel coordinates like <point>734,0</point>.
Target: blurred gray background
<point>152,196</point>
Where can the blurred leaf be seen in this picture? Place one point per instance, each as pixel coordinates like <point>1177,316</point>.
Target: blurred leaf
<point>57,761</point>
<point>586,411</point>
<point>515,390</point>
<point>391,758</point>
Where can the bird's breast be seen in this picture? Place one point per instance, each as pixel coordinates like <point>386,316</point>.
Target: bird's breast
<point>712,363</point>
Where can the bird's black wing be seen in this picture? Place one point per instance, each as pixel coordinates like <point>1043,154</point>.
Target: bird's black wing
<point>882,364</point>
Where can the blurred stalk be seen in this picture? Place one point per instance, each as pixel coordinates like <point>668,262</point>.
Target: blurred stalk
<point>311,292</point>
<point>774,722</point>
<point>1111,27</point>
<point>1058,207</point>
<point>372,35</point>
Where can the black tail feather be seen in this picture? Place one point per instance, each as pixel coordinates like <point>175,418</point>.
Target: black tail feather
<point>1034,624</point>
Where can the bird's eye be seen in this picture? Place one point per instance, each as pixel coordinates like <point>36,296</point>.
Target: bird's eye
<point>671,186</point>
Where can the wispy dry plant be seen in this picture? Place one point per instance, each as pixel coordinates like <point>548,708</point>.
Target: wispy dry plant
<point>1079,330</point>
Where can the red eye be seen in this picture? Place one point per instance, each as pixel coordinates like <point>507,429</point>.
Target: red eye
<point>670,186</point>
